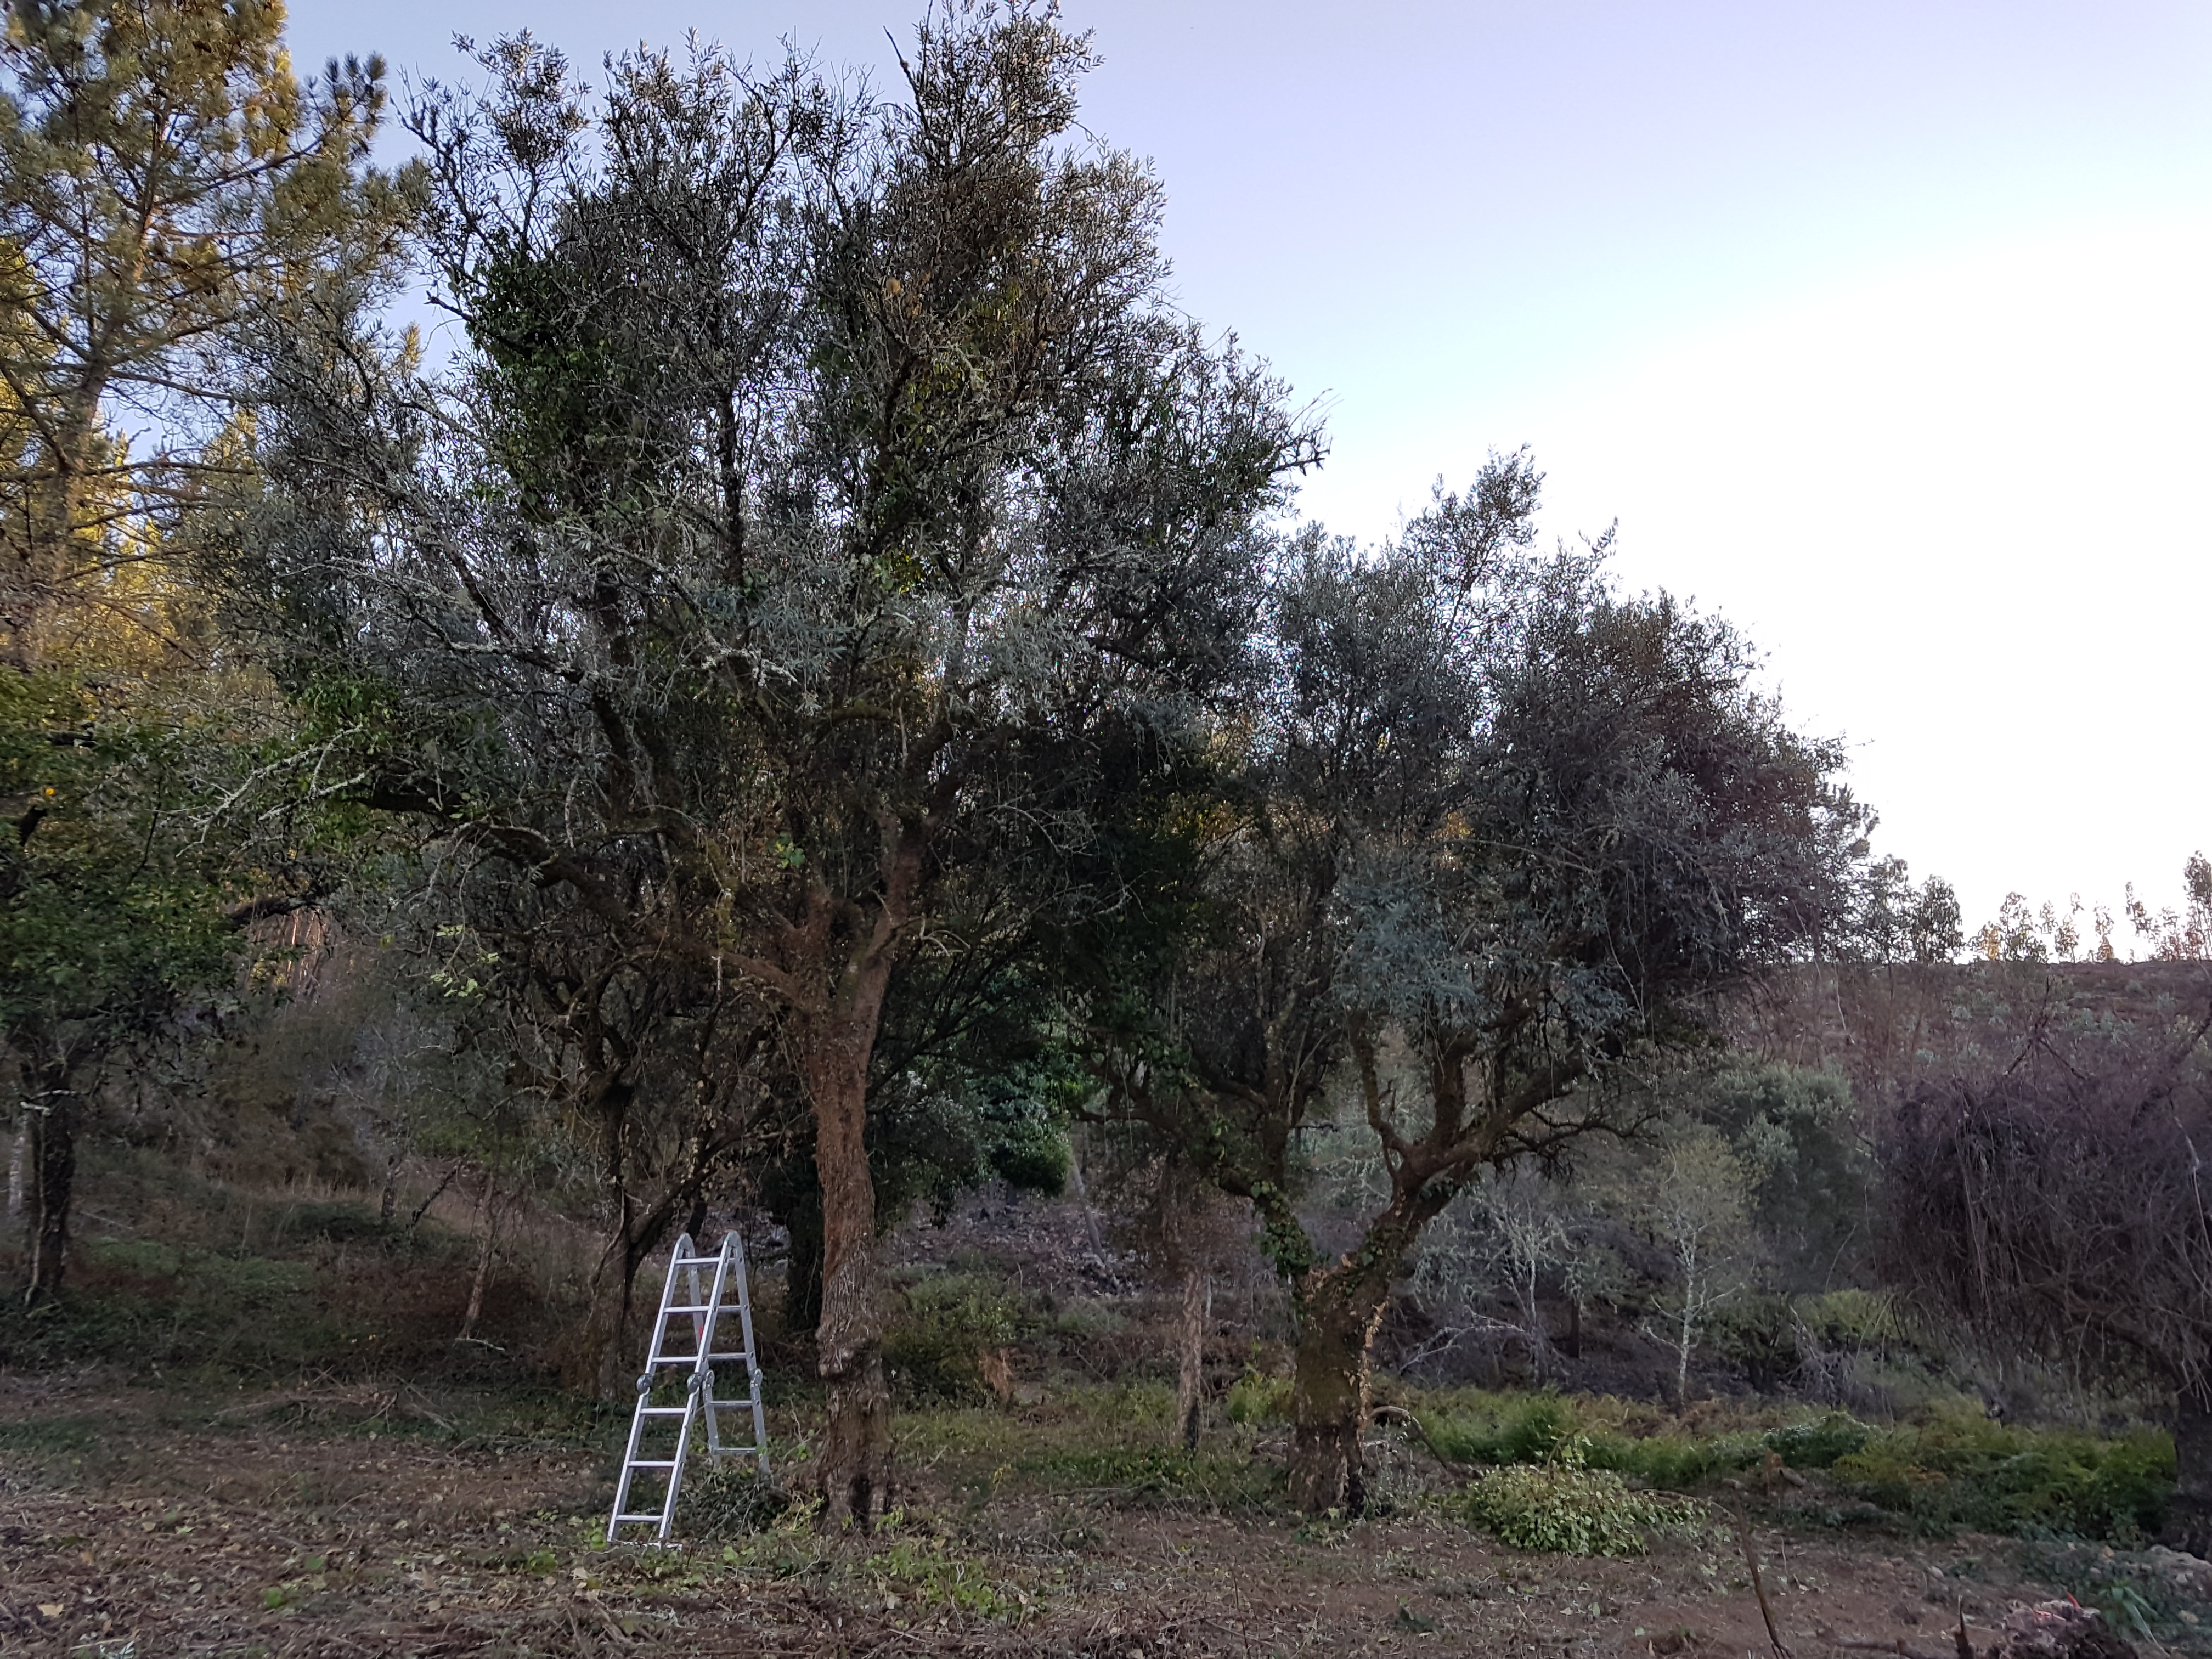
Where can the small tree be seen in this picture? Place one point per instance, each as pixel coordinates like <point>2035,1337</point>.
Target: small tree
<point>2059,1207</point>
<point>1690,1197</point>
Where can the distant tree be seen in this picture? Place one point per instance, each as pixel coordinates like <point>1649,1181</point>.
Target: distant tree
<point>830,491</point>
<point>1499,834</point>
<point>2058,1206</point>
<point>1805,1154</point>
<point>2184,934</point>
<point>1898,920</point>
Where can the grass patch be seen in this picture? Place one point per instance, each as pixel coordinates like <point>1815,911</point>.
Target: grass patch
<point>1157,1475</point>
<point>728,1498</point>
<point>931,1576</point>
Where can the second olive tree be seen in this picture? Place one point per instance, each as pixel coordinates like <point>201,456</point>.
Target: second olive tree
<point>1491,838</point>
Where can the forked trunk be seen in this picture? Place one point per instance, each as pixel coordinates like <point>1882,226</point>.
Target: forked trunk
<point>2188,1517</point>
<point>854,1468</point>
<point>1341,1307</point>
<point>1330,1389</point>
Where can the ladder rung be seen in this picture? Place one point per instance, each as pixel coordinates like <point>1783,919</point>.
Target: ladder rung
<point>700,1308</point>
<point>650,1463</point>
<point>644,1520</point>
<point>662,1411</point>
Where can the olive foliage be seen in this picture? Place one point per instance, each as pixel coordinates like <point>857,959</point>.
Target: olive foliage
<point>830,500</point>
<point>1497,835</point>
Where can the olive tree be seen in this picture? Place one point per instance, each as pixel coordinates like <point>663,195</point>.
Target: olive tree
<point>829,499</point>
<point>1499,835</point>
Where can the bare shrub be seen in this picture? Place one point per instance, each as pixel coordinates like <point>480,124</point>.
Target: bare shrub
<point>2058,1206</point>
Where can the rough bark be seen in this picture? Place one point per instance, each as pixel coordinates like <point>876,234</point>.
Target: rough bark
<point>1330,1389</point>
<point>1341,1307</point>
<point>51,1155</point>
<point>854,1470</point>
<point>1190,1374</point>
<point>2188,1517</point>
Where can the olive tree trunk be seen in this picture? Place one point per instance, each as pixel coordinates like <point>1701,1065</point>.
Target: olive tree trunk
<point>1190,1374</point>
<point>854,1470</point>
<point>52,1157</point>
<point>1341,1307</point>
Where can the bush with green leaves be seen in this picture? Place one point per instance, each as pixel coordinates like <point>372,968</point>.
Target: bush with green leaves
<point>1959,1468</point>
<point>1954,1468</point>
<point>1254,1398</point>
<point>1564,1506</point>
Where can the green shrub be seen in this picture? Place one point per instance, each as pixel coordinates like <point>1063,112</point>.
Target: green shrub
<point>1961,1469</point>
<point>1817,1444</point>
<point>1954,1468</point>
<point>1254,1399</point>
<point>1565,1507</point>
<point>933,1350</point>
<point>1525,1431</point>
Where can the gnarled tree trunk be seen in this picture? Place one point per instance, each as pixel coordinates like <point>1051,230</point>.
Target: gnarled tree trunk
<point>854,1468</point>
<point>1330,1389</point>
<point>1341,1307</point>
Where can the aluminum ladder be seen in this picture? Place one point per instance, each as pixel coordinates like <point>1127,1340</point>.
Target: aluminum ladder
<point>699,1289</point>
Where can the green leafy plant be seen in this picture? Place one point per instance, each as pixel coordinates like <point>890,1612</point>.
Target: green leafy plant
<point>1566,1507</point>
<point>1254,1398</point>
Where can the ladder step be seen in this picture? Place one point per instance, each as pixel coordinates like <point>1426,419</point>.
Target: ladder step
<point>647,1520</point>
<point>704,1307</point>
<point>651,1464</point>
<point>662,1411</point>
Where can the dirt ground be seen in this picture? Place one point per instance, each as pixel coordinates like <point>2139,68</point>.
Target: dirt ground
<point>348,1521</point>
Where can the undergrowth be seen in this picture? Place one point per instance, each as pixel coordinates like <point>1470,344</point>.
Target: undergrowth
<point>1954,1468</point>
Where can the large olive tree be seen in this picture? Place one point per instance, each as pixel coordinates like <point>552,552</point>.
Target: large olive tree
<point>829,494</point>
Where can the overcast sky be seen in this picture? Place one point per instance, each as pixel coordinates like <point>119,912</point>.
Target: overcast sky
<point>1880,328</point>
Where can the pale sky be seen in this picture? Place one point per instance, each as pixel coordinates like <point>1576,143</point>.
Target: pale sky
<point>1880,329</point>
